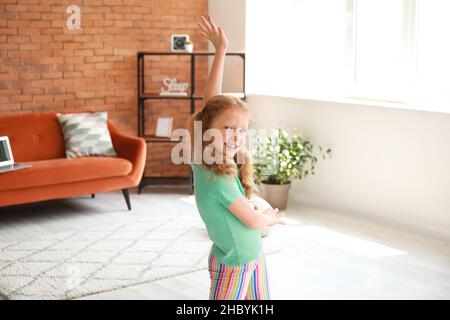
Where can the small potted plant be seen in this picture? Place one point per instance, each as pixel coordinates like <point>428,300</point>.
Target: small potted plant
<point>189,46</point>
<point>278,160</point>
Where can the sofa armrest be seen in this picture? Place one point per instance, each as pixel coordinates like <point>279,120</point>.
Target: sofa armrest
<point>131,148</point>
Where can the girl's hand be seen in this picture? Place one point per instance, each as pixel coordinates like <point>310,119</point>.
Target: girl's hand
<point>275,215</point>
<point>213,33</point>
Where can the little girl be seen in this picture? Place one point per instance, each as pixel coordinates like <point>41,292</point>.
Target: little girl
<point>237,264</point>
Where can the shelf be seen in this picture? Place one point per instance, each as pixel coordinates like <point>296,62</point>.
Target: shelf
<point>166,181</point>
<point>143,96</point>
<point>195,53</point>
<point>240,95</point>
<point>157,96</point>
<point>153,138</point>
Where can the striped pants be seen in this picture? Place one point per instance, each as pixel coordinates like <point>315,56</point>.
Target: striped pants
<point>248,281</point>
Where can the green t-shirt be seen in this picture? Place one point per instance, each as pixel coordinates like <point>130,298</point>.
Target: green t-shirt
<point>233,243</point>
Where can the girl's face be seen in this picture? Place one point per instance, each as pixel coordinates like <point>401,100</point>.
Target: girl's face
<point>233,126</point>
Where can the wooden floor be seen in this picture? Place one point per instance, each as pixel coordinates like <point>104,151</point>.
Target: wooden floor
<point>325,255</point>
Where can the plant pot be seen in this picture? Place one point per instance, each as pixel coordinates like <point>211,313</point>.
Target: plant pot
<point>276,194</point>
<point>189,47</point>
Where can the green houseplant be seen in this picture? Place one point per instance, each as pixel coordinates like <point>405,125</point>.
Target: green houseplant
<point>279,159</point>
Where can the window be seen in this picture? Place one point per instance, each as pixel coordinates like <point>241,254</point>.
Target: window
<point>433,49</point>
<point>294,47</point>
<point>380,49</point>
<point>395,50</point>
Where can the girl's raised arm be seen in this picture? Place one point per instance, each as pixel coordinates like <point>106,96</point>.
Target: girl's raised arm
<point>218,38</point>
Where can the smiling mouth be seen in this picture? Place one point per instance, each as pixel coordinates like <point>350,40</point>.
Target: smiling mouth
<point>231,146</point>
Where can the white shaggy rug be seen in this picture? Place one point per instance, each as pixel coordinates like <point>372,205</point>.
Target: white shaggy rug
<point>77,263</point>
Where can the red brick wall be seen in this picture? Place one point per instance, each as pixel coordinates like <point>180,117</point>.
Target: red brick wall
<point>46,67</point>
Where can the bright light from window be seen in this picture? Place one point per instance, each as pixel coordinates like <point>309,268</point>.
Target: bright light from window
<point>378,49</point>
<point>433,48</point>
<point>348,243</point>
<point>188,199</point>
<point>295,47</point>
<point>380,65</point>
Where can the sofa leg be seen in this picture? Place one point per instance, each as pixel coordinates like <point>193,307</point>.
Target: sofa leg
<point>127,197</point>
<point>93,195</point>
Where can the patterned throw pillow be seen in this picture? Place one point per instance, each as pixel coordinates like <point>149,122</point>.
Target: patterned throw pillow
<point>86,134</point>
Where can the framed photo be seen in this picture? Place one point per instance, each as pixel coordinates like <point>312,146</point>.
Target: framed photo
<point>178,42</point>
<point>164,127</point>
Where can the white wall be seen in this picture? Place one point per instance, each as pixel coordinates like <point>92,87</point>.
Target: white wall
<point>230,15</point>
<point>390,165</point>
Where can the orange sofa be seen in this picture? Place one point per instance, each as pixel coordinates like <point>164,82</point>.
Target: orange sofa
<point>37,139</point>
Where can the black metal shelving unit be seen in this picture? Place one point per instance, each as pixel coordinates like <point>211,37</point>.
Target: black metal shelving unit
<point>143,96</point>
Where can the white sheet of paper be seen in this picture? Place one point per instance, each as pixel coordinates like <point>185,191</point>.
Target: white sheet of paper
<point>164,127</point>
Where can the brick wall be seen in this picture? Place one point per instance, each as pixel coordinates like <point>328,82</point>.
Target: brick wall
<point>46,67</point>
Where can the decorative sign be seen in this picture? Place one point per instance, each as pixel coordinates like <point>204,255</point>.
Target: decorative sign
<point>172,88</point>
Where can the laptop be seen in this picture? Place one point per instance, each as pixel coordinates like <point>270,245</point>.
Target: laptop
<point>6,157</point>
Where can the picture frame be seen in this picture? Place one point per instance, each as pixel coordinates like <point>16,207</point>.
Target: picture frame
<point>164,127</point>
<point>178,42</point>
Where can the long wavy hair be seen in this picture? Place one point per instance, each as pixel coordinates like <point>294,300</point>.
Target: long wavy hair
<point>214,107</point>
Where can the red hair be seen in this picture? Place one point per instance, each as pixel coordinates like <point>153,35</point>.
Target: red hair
<point>214,107</point>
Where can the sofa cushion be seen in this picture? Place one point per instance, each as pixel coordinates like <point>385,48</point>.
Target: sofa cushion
<point>63,170</point>
<point>86,134</point>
